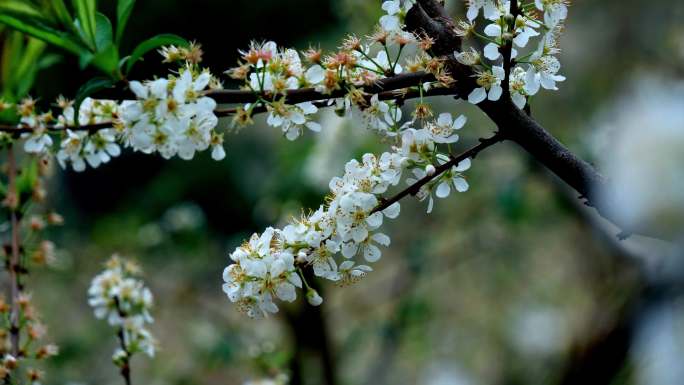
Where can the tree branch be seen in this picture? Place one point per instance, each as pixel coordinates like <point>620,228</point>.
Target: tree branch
<point>428,16</point>
<point>395,87</point>
<point>126,364</point>
<point>14,258</point>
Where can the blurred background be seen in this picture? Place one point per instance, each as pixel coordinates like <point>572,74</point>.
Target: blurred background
<point>513,282</point>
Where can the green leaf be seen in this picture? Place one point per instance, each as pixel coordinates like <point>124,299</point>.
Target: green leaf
<point>34,48</point>
<point>21,7</point>
<point>40,29</point>
<point>85,13</point>
<point>103,32</point>
<point>90,87</point>
<point>62,13</point>
<point>26,70</point>
<point>47,61</point>
<point>123,12</point>
<point>153,43</point>
<point>107,60</point>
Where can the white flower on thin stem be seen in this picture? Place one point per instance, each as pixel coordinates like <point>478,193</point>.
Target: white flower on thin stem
<point>425,192</point>
<point>71,150</point>
<point>453,178</point>
<point>101,147</point>
<point>555,11</point>
<point>370,251</point>
<point>291,118</point>
<point>375,115</point>
<point>350,273</point>
<point>543,71</point>
<point>524,30</point>
<point>442,130</point>
<point>474,7</point>
<point>517,87</point>
<point>490,85</point>
<point>391,21</point>
<point>38,142</point>
<point>416,144</point>
<point>491,50</point>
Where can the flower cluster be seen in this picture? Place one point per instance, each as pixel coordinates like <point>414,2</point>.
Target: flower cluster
<point>79,147</point>
<point>339,238</point>
<point>535,69</point>
<point>270,72</point>
<point>171,116</point>
<point>118,296</point>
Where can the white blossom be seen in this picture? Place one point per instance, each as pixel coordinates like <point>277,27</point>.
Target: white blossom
<point>490,85</point>
<point>118,296</point>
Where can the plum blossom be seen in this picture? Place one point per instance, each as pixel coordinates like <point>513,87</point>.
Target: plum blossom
<point>392,21</point>
<point>291,118</point>
<point>490,85</point>
<point>474,7</point>
<point>443,130</point>
<point>453,178</point>
<point>120,297</point>
<point>171,116</point>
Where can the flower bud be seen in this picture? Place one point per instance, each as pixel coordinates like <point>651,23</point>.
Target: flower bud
<point>430,170</point>
<point>55,219</point>
<point>313,297</point>
<point>37,223</point>
<point>301,256</point>
<point>119,357</point>
<point>10,362</point>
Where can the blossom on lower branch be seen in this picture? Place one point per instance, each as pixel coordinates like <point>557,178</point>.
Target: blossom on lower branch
<point>341,237</point>
<point>118,296</point>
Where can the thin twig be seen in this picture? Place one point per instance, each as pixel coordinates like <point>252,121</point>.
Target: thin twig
<point>126,364</point>
<point>15,254</point>
<point>440,169</point>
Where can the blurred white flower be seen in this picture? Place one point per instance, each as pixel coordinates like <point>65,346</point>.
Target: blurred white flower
<point>643,138</point>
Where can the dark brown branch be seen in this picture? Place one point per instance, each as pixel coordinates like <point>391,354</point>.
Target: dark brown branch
<point>512,122</point>
<point>310,94</point>
<point>400,87</point>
